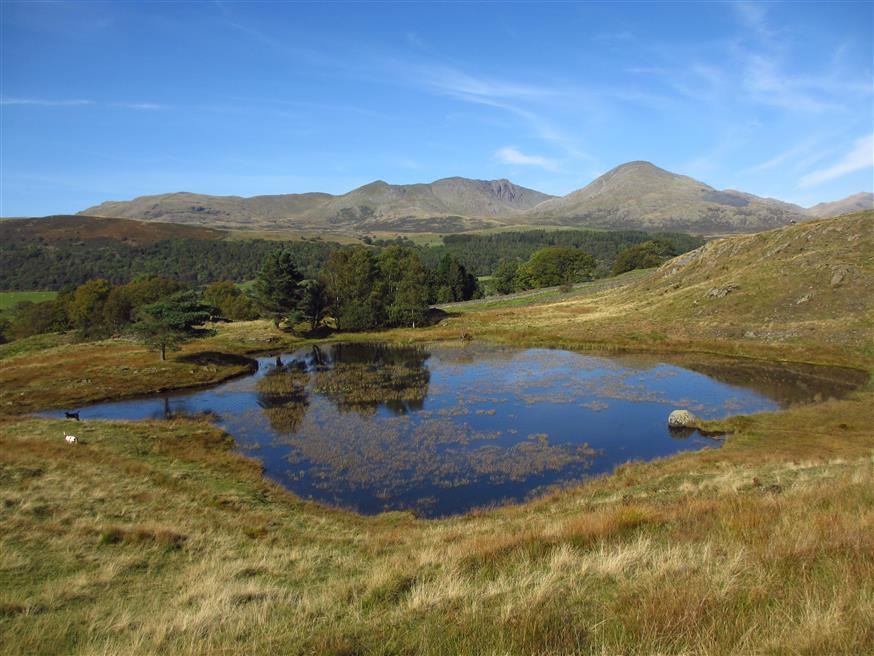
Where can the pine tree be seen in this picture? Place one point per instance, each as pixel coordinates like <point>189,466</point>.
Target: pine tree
<point>277,289</point>
<point>171,321</point>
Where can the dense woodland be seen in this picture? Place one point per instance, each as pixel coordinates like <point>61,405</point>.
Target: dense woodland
<point>33,263</point>
<point>37,265</point>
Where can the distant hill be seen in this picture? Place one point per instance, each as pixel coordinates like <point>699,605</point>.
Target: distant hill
<point>68,229</point>
<point>633,196</point>
<point>58,251</point>
<point>451,204</point>
<point>854,203</point>
<point>641,196</point>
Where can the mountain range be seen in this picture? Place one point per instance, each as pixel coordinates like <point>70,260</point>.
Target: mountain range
<point>637,195</point>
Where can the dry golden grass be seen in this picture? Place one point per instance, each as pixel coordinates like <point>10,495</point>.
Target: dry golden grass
<point>154,537</point>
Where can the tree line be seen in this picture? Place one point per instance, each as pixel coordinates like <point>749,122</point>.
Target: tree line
<point>482,253</point>
<point>35,264</point>
<point>358,288</point>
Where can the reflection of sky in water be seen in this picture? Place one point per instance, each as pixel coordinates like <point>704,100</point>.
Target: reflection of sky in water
<point>473,427</point>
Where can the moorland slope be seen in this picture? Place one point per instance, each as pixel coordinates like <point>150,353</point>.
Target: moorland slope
<point>53,230</point>
<point>458,203</point>
<point>803,289</point>
<point>647,197</point>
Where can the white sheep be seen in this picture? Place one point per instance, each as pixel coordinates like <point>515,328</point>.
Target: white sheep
<point>71,439</point>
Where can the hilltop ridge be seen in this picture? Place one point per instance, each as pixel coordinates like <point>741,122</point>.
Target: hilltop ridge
<point>637,195</point>
<point>460,203</point>
<point>647,197</point>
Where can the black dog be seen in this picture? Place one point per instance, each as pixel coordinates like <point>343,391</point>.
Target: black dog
<point>72,415</point>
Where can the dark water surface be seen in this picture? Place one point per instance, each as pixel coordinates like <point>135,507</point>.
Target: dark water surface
<point>444,429</point>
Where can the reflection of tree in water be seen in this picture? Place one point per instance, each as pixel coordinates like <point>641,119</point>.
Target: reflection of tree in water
<point>282,393</point>
<point>363,377</point>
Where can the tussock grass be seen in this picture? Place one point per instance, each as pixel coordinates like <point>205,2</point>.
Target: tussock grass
<point>154,537</point>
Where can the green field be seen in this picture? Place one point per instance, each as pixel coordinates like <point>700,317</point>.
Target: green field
<point>10,299</point>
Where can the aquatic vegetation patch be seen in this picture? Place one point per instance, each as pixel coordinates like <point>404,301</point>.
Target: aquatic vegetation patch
<point>449,428</point>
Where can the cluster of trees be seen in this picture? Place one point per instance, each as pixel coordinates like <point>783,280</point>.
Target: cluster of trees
<point>162,312</point>
<point>360,288</point>
<point>481,253</point>
<point>645,255</point>
<point>550,266</point>
<point>29,261</point>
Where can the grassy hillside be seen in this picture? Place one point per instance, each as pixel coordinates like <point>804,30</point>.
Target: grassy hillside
<point>802,292</point>
<point>155,538</point>
<point>633,196</point>
<point>642,196</point>
<point>446,205</point>
<point>75,229</point>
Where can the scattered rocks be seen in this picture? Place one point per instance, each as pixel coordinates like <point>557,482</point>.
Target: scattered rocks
<point>682,419</point>
<point>771,253</point>
<point>722,292</point>
<point>804,299</point>
<point>839,277</point>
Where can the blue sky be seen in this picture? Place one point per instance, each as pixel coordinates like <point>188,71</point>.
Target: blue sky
<point>112,100</point>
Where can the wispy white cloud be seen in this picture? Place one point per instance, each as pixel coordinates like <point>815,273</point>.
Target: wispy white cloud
<point>621,36</point>
<point>797,158</point>
<point>778,160</point>
<point>766,73</point>
<point>768,83</point>
<point>511,155</point>
<point>859,158</point>
<point>147,106</point>
<point>480,89</point>
<point>537,105</point>
<point>753,16</point>
<point>43,102</point>
<point>80,102</point>
<point>413,39</point>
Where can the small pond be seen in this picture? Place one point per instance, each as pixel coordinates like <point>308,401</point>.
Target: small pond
<point>445,429</point>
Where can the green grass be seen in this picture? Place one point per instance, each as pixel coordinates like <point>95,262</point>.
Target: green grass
<point>10,299</point>
<point>535,296</point>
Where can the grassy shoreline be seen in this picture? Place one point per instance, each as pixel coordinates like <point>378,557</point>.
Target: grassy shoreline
<point>155,537</point>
